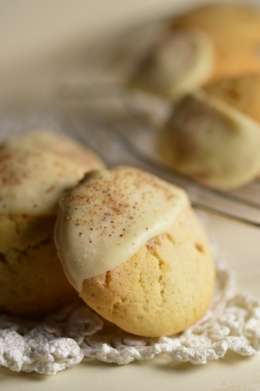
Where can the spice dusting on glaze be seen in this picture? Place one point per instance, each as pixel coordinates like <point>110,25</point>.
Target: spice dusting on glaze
<point>35,167</point>
<point>109,216</point>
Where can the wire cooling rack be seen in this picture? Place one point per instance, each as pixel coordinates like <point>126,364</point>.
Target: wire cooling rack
<point>122,125</point>
<point>122,132</point>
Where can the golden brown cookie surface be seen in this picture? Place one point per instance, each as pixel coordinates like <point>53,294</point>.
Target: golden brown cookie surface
<point>234,30</point>
<point>34,169</point>
<point>241,92</point>
<point>161,287</point>
<point>32,281</point>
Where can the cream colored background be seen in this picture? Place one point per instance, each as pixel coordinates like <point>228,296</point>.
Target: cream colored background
<point>37,35</point>
<point>35,39</point>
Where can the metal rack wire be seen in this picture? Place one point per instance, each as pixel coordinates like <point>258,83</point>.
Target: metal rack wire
<point>122,126</point>
<point>121,132</point>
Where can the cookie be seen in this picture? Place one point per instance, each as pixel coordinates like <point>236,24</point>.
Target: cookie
<point>213,135</point>
<point>132,247</point>
<point>178,63</point>
<point>35,167</point>
<point>241,92</point>
<point>234,30</point>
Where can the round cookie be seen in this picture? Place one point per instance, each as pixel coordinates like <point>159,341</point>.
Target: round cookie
<point>214,135</point>
<point>201,46</point>
<point>234,30</point>
<point>178,63</point>
<point>35,167</point>
<point>132,247</point>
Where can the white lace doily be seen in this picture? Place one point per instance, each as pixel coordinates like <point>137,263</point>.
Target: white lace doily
<point>67,337</point>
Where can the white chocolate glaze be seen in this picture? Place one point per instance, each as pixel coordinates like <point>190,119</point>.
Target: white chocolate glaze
<point>35,167</point>
<point>178,65</point>
<point>211,140</point>
<point>109,216</point>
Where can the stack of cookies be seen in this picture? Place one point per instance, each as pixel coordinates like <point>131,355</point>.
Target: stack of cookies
<point>35,167</point>
<point>124,240</point>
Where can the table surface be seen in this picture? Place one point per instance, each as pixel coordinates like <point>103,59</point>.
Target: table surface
<point>37,37</point>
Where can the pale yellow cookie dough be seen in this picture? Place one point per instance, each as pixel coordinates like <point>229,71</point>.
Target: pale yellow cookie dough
<point>133,248</point>
<point>35,167</point>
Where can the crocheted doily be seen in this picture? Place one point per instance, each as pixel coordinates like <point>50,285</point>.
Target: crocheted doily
<point>67,337</point>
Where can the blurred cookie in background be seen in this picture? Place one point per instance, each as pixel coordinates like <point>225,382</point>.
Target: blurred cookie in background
<point>199,47</point>
<point>213,134</point>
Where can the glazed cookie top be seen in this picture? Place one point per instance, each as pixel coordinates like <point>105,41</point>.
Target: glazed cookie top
<point>178,64</point>
<point>35,167</point>
<point>109,216</point>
